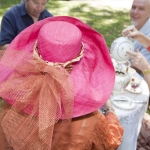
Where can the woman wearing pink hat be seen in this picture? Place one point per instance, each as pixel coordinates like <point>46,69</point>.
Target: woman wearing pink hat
<point>54,77</point>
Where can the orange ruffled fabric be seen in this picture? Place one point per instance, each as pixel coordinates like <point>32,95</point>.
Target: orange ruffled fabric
<point>90,132</point>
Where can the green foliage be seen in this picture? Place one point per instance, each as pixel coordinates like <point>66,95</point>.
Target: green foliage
<point>105,20</point>
<point>6,3</point>
<point>148,111</point>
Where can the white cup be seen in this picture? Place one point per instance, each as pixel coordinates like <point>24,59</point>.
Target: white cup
<point>131,72</point>
<point>135,82</point>
<point>121,82</point>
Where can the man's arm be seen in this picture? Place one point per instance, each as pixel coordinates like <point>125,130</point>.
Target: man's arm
<point>1,53</point>
<point>4,47</point>
<point>132,32</point>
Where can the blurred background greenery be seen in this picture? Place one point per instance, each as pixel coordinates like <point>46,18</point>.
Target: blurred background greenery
<point>106,20</point>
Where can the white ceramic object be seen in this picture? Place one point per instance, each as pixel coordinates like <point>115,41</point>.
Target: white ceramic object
<point>136,81</point>
<point>131,71</point>
<point>119,47</point>
<point>120,67</point>
<point>123,105</point>
<point>121,82</point>
<point>134,85</point>
<point>137,90</point>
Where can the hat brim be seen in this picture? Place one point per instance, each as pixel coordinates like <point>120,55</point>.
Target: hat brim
<point>93,76</point>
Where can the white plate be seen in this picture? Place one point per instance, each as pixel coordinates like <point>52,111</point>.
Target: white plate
<point>137,90</point>
<point>123,105</point>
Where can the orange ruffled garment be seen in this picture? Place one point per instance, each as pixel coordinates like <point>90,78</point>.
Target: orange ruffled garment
<point>89,132</point>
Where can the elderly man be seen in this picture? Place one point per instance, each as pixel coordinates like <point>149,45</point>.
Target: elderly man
<point>19,17</point>
<point>139,14</point>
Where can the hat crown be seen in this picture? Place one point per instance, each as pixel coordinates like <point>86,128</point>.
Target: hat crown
<point>59,41</point>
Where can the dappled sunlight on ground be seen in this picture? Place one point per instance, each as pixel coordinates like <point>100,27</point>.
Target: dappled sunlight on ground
<point>102,15</point>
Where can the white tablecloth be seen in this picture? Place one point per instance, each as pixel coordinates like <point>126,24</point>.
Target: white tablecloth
<point>131,120</point>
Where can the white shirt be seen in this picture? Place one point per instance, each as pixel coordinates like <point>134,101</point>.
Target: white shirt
<point>146,31</point>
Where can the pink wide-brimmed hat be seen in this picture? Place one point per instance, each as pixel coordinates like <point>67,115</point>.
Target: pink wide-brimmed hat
<point>55,70</point>
<point>59,41</point>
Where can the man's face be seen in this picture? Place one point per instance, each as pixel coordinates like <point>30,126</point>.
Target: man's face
<point>35,7</point>
<point>140,12</point>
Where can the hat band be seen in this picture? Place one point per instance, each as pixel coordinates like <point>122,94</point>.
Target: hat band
<point>67,65</point>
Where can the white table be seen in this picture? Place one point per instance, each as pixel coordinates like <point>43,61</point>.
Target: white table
<point>131,119</point>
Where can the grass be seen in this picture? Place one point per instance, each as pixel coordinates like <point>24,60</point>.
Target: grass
<point>106,20</point>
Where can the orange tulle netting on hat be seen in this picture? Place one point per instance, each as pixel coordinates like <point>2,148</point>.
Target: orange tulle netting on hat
<point>38,90</point>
